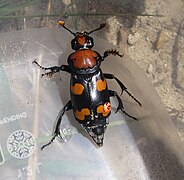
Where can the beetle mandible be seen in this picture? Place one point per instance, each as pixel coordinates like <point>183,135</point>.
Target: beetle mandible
<point>90,96</point>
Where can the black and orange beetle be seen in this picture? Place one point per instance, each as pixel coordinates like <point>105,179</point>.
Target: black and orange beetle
<point>90,96</point>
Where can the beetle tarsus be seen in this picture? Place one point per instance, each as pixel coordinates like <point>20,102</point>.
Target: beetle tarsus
<point>113,52</point>
<point>54,136</point>
<point>49,74</point>
<point>129,115</point>
<point>41,67</point>
<point>133,97</point>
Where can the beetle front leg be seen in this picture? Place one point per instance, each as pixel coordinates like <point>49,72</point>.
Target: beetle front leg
<point>123,87</point>
<point>113,52</point>
<point>120,104</point>
<point>53,69</point>
<point>67,107</point>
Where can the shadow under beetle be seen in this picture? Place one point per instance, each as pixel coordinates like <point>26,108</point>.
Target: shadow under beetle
<point>90,96</point>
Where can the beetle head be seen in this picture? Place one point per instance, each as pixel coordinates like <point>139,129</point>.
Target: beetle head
<point>81,40</point>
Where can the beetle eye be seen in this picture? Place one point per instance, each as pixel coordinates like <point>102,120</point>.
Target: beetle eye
<point>85,33</point>
<point>88,40</point>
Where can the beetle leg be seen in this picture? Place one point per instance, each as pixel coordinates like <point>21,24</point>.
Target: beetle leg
<point>120,104</point>
<point>53,69</point>
<point>67,107</point>
<point>123,87</point>
<point>113,52</point>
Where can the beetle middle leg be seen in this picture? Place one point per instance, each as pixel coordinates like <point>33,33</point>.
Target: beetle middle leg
<point>53,69</point>
<point>120,104</point>
<point>123,87</point>
<point>67,107</point>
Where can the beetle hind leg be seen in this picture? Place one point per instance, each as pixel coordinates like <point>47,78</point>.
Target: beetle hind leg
<point>120,104</point>
<point>123,87</point>
<point>67,107</point>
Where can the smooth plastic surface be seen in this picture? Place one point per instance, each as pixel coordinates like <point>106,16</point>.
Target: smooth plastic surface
<point>29,106</point>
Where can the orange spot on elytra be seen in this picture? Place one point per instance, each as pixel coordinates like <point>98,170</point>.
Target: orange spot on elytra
<point>77,89</point>
<point>107,107</point>
<point>100,109</point>
<point>81,114</point>
<point>104,109</point>
<point>101,85</point>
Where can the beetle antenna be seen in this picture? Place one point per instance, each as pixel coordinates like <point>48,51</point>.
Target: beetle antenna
<point>101,26</point>
<point>62,23</point>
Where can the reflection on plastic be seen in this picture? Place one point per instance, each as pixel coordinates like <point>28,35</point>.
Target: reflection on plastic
<point>65,132</point>
<point>1,156</point>
<point>29,171</point>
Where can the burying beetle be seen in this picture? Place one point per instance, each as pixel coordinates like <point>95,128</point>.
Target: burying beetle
<point>90,96</point>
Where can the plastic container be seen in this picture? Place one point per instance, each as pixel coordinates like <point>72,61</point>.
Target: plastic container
<point>29,106</point>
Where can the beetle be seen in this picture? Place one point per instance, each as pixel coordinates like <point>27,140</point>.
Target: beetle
<point>90,96</point>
